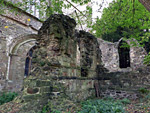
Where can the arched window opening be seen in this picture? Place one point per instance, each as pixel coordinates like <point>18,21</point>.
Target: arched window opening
<point>28,62</point>
<point>124,55</point>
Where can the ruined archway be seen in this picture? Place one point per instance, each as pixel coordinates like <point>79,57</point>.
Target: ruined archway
<point>17,58</point>
<point>124,54</point>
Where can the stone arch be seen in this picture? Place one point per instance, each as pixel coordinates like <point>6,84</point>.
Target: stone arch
<point>124,54</point>
<point>17,56</point>
<point>18,41</point>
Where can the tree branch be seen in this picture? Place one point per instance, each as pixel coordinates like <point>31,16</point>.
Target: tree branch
<point>79,20</point>
<point>76,8</point>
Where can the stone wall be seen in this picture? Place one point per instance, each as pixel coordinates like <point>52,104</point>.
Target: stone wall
<point>90,54</point>
<point>110,56</point>
<point>75,89</point>
<point>15,28</point>
<point>3,60</point>
<point>55,57</point>
<point>125,85</point>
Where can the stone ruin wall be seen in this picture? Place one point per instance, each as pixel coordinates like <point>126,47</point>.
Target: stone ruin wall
<point>17,34</point>
<point>125,85</point>
<point>75,81</point>
<point>110,56</point>
<point>74,61</point>
<point>54,61</point>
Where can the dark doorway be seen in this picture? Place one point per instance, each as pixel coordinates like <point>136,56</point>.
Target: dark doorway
<point>124,54</point>
<point>28,61</point>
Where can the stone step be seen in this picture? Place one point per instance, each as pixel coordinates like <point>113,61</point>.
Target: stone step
<point>31,97</point>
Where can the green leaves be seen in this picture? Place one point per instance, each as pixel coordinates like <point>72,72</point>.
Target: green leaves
<point>7,97</point>
<point>102,106</point>
<point>147,59</point>
<point>123,17</point>
<point>44,8</point>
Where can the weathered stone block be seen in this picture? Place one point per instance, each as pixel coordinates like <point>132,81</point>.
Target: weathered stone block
<point>41,83</point>
<point>31,83</point>
<point>45,89</point>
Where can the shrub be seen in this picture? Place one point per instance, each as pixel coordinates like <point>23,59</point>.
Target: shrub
<point>126,101</point>
<point>102,106</point>
<point>42,63</point>
<point>143,91</point>
<point>7,97</point>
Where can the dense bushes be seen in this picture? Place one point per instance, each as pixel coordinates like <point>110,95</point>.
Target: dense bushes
<point>7,97</point>
<point>107,105</point>
<point>102,106</point>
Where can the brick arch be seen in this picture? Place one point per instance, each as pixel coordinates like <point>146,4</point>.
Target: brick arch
<point>17,56</point>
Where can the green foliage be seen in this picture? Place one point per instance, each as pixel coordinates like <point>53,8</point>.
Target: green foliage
<point>145,97</point>
<point>45,109</point>
<point>147,59</point>
<point>56,111</point>
<point>144,91</point>
<point>126,101</point>
<point>102,106</point>
<point>123,18</point>
<point>48,6</point>
<point>42,63</point>
<point>7,97</point>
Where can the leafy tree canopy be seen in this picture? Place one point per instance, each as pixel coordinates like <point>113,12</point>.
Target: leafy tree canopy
<point>123,18</point>
<point>127,19</point>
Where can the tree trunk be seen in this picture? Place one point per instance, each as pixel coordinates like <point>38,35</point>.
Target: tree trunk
<point>146,4</point>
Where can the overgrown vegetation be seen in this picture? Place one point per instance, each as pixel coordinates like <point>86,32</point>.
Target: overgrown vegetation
<point>142,105</point>
<point>7,97</point>
<point>147,59</point>
<point>107,105</point>
<point>102,106</point>
<point>123,18</point>
<point>144,90</point>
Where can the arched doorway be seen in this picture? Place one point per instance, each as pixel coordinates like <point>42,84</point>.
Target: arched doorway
<point>124,54</point>
<point>28,62</point>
